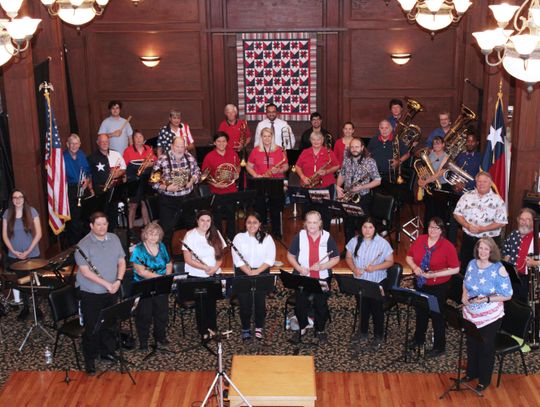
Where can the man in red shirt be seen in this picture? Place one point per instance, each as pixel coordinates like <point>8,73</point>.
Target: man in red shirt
<point>235,128</point>
<point>224,166</point>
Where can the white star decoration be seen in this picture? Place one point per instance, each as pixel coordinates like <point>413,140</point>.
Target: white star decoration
<point>493,274</point>
<point>504,285</point>
<point>100,167</point>
<point>492,290</point>
<point>494,136</point>
<point>475,287</point>
<point>482,281</point>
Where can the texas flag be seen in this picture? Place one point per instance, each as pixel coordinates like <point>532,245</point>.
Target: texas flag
<point>494,160</point>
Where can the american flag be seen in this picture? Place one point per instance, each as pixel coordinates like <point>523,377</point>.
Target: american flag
<point>57,198</point>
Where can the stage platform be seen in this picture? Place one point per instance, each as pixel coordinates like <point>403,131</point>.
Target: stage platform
<point>184,389</point>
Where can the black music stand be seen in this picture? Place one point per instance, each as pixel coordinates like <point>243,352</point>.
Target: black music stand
<point>271,187</point>
<point>191,206</point>
<point>112,317</point>
<point>361,288</point>
<point>292,156</point>
<point>152,287</point>
<point>200,290</point>
<point>412,298</point>
<point>244,197</point>
<point>456,320</point>
<point>303,284</point>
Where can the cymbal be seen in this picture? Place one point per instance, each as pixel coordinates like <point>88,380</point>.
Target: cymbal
<point>29,265</point>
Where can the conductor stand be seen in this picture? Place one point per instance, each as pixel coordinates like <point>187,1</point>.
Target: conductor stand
<point>149,289</point>
<point>217,385</point>
<point>360,288</point>
<point>112,317</point>
<point>301,284</point>
<point>200,290</point>
<point>456,320</point>
<point>412,298</point>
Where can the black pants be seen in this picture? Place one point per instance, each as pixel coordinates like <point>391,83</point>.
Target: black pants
<point>521,291</point>
<point>437,320</point>
<point>205,313</point>
<point>170,208</point>
<point>75,227</point>
<point>321,208</point>
<point>224,208</point>
<point>481,355</point>
<point>320,307</point>
<point>265,203</point>
<point>246,305</point>
<point>373,308</point>
<point>154,308</point>
<point>102,342</point>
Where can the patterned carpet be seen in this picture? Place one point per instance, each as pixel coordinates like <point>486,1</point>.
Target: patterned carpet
<point>334,355</point>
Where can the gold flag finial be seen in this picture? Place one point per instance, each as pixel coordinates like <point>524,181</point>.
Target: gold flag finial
<point>499,93</point>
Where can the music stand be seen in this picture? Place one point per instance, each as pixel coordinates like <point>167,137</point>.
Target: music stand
<point>412,298</point>
<point>112,317</point>
<point>192,205</point>
<point>361,288</point>
<point>273,187</point>
<point>152,287</point>
<point>200,290</point>
<point>303,284</point>
<point>455,320</point>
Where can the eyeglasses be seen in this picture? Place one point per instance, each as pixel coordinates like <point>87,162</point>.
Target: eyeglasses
<point>434,227</point>
<point>18,197</point>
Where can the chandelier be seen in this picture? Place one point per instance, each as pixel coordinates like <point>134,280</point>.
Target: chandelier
<point>434,15</point>
<point>75,12</point>
<point>15,33</point>
<point>519,53</point>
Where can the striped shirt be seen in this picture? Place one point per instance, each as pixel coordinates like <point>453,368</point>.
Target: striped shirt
<point>168,164</point>
<point>371,252</point>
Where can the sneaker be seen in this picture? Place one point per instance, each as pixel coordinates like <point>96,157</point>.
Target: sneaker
<point>259,334</point>
<point>310,323</point>
<point>293,322</point>
<point>246,334</point>
<point>434,353</point>
<point>322,337</point>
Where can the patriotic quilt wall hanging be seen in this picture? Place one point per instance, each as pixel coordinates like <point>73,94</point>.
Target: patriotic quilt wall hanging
<point>279,68</point>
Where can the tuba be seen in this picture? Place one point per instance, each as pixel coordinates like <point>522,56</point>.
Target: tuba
<point>407,132</point>
<point>424,169</point>
<point>456,137</point>
<point>226,174</point>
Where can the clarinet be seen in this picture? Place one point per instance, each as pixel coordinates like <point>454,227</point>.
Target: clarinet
<point>193,253</point>
<point>90,264</point>
<point>230,243</point>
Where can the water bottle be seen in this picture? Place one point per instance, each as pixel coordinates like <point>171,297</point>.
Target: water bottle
<point>48,356</point>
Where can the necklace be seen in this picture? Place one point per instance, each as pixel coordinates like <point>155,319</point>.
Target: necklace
<point>153,251</point>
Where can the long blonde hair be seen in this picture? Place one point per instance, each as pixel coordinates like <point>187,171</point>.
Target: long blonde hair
<point>272,146</point>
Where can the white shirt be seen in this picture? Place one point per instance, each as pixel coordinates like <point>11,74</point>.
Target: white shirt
<point>206,253</point>
<point>254,253</point>
<point>279,125</point>
<point>111,124</point>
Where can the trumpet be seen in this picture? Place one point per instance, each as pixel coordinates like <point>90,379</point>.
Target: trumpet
<point>269,172</point>
<point>81,188</point>
<point>316,179</point>
<point>148,160</point>
<point>112,176</point>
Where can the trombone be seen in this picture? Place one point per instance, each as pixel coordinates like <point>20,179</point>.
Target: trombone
<point>112,176</point>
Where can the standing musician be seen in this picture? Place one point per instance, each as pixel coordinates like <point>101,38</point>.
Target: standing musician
<point>136,156</point>
<point>284,136</point>
<point>342,144</point>
<point>108,169</point>
<point>102,265</point>
<point>396,109</point>
<point>175,128</point>
<point>267,160</point>
<point>485,287</point>
<point>482,213</point>
<point>469,161</point>
<point>313,253</point>
<point>79,180</point>
<point>150,259</point>
<point>316,167</point>
<point>433,260</point>
<point>316,126</point>
<point>224,166</point>
<point>203,259</point>
<point>256,254</point>
<point>369,256</point>
<point>358,175</point>
<point>117,128</point>
<point>444,120</point>
<point>382,151</point>
<point>235,128</point>
<point>518,247</point>
<point>179,173</point>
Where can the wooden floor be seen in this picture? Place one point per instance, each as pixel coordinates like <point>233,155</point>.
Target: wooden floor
<point>185,389</point>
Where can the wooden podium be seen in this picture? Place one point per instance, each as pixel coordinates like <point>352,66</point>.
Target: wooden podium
<point>273,380</point>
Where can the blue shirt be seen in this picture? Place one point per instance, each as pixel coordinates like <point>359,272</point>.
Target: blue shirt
<point>74,166</point>
<point>370,253</point>
<point>157,264</point>
<point>470,162</point>
<point>21,240</point>
<point>437,132</point>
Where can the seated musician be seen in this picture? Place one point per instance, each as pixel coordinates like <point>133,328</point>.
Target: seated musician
<point>433,260</point>
<point>179,173</point>
<point>358,175</point>
<point>342,144</point>
<point>21,233</point>
<point>108,169</point>
<point>267,160</point>
<point>369,256</point>
<point>203,259</point>
<point>79,179</point>
<point>315,168</point>
<point>135,156</point>
<point>150,259</point>
<point>257,255</point>
<point>313,252</point>
<point>517,250</point>
<point>224,166</point>
<point>102,265</point>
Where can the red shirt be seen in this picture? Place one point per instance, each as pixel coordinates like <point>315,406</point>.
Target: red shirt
<point>443,257</point>
<point>339,150</point>
<point>131,154</point>
<point>213,160</point>
<point>309,163</point>
<point>234,131</point>
<point>262,161</point>
<point>313,254</point>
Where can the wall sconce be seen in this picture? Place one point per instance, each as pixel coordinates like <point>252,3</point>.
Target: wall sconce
<point>401,58</point>
<point>150,61</point>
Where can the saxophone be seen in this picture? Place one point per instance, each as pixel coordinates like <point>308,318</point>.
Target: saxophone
<point>316,179</point>
<point>268,173</point>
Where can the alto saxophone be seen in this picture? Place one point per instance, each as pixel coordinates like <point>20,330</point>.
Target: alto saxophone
<point>269,172</point>
<point>316,179</point>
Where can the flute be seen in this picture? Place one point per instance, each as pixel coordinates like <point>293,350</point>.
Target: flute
<point>90,264</point>
<point>230,243</point>
<point>193,253</point>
